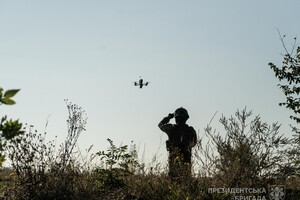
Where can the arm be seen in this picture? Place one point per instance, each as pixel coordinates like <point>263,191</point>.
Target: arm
<point>164,123</point>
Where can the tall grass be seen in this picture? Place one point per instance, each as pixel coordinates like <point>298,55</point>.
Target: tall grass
<point>248,153</point>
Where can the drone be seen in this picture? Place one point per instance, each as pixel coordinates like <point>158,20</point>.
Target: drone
<point>141,83</point>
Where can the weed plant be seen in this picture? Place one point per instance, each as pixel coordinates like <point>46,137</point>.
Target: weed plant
<point>248,154</point>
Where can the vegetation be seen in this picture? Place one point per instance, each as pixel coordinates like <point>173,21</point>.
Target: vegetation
<point>8,128</point>
<point>250,155</point>
<point>289,73</point>
<point>289,76</point>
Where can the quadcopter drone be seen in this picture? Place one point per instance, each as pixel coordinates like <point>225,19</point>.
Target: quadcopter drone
<point>141,83</point>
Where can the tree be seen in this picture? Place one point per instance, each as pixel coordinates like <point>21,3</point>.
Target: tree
<point>8,128</point>
<point>289,74</point>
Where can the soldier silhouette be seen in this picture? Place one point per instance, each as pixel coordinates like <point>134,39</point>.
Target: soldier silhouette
<point>179,145</point>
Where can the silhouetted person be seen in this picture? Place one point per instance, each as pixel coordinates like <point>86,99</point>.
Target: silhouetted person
<point>181,140</point>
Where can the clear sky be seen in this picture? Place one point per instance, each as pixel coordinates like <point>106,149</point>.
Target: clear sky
<point>206,56</point>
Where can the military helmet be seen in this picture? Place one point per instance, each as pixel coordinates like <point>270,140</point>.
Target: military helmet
<point>181,112</point>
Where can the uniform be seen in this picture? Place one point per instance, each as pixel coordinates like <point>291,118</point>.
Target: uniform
<point>181,140</point>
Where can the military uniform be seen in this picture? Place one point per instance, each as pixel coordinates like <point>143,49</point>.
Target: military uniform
<point>181,140</point>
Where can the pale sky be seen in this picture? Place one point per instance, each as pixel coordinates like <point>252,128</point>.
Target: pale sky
<point>206,56</point>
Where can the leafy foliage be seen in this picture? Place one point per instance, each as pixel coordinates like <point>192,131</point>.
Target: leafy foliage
<point>119,157</point>
<point>119,162</point>
<point>5,98</point>
<point>8,128</point>
<point>289,72</point>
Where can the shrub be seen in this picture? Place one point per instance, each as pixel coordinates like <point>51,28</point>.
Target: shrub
<point>8,128</point>
<point>247,154</point>
<point>40,172</point>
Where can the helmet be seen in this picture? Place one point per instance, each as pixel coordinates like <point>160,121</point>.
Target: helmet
<point>181,112</point>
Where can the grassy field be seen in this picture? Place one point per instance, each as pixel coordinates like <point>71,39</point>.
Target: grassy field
<point>249,160</point>
<point>119,184</point>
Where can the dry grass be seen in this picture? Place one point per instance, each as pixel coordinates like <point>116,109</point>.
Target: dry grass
<point>242,159</point>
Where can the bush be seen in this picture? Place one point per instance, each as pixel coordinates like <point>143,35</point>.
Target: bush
<point>8,128</point>
<point>40,172</point>
<point>249,153</point>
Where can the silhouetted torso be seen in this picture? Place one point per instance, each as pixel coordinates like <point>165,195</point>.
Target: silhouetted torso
<point>181,140</point>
